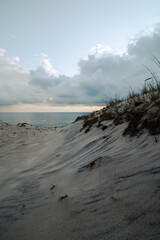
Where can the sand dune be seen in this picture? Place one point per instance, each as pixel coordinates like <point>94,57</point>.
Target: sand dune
<point>106,186</point>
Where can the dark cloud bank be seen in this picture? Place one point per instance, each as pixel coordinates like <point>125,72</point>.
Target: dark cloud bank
<point>99,77</point>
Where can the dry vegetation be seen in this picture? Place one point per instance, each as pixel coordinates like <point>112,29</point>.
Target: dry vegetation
<point>141,111</point>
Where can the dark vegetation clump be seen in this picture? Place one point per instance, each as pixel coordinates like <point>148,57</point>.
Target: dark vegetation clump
<point>81,118</point>
<point>88,123</point>
<point>22,124</point>
<point>93,164</point>
<point>106,115</point>
<point>134,117</point>
<point>144,120</point>
<point>63,197</point>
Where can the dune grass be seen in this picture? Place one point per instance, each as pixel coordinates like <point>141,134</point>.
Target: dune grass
<point>140,110</point>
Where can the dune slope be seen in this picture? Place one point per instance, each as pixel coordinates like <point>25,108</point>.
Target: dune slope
<point>63,183</point>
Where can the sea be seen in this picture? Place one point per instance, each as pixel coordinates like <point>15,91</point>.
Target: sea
<point>47,119</point>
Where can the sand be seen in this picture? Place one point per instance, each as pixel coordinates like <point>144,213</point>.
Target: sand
<point>106,186</point>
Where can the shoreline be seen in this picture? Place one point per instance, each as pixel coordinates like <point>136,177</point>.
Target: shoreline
<point>50,119</point>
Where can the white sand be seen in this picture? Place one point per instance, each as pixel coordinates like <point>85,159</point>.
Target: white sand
<point>117,198</point>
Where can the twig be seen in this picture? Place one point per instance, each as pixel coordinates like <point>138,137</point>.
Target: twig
<point>62,197</point>
<point>53,186</point>
<point>156,140</point>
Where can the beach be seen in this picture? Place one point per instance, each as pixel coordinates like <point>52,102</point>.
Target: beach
<point>79,120</point>
<point>63,183</point>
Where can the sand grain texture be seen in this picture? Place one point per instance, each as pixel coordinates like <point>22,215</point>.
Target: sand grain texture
<point>112,183</point>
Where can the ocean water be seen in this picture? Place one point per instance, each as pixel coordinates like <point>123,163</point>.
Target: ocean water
<point>41,119</point>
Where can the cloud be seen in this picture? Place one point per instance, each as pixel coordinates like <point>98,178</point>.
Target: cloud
<point>100,49</point>
<point>10,65</point>
<point>2,52</point>
<point>14,87</point>
<point>43,77</point>
<point>146,45</point>
<point>97,78</point>
<point>48,67</point>
<point>101,75</point>
<point>44,55</point>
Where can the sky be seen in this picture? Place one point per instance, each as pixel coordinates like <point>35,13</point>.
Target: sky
<point>73,55</point>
